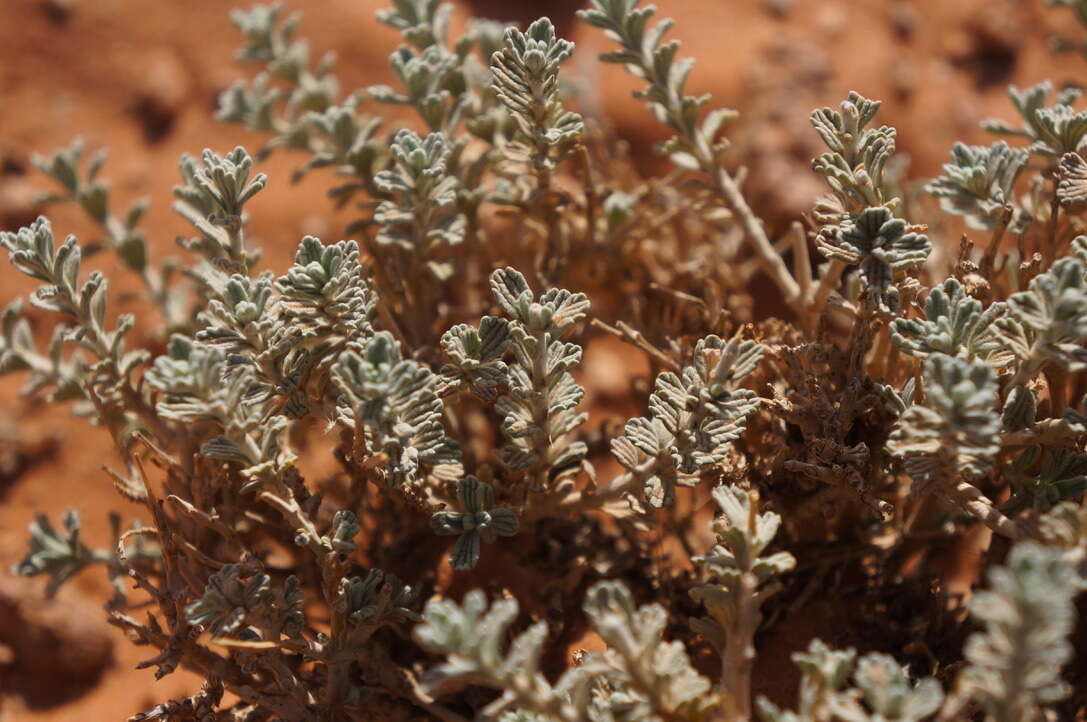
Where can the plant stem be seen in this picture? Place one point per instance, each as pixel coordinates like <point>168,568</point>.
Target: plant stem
<point>989,258</point>
<point>801,260</point>
<point>579,501</point>
<point>541,414</point>
<point>738,656</point>
<point>1049,253</point>
<point>968,498</point>
<point>700,146</point>
<point>769,259</point>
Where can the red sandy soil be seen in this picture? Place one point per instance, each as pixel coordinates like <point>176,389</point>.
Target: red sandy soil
<point>140,77</point>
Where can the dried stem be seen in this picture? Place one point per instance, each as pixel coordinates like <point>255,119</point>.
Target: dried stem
<point>967,497</point>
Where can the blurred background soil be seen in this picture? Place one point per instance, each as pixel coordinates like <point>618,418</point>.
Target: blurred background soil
<point>141,77</point>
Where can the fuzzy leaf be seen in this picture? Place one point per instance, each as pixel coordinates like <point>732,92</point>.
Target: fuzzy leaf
<point>978,182</point>
<point>956,430</point>
<point>878,243</point>
<point>954,324</point>
<point>1013,666</point>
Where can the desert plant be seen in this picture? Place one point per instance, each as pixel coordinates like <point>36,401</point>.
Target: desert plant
<point>439,358</point>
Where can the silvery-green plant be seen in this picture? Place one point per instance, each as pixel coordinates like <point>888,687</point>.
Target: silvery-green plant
<point>526,81</point>
<point>248,438</point>
<point>233,601</point>
<point>422,22</point>
<point>1047,323</point>
<point>880,245</point>
<point>1072,186</point>
<point>1061,474</point>
<point>419,215</point>
<point>258,566</point>
<point>881,690</point>
<point>1014,665</point>
<point>122,232</point>
<point>951,439</point>
<point>324,297</point>
<point>298,103</point>
<point>189,377</point>
<point>856,223</point>
<point>955,324</point>
<point>953,430</point>
<point>480,519</point>
<point>1053,130</point>
<point>212,198</point>
<point>432,77</point>
<point>475,358</point>
<point>638,676</point>
<point>19,353</point>
<point>343,139</point>
<point>652,679</point>
<point>1020,409</point>
<point>824,673</point>
<point>645,54</point>
<point>280,98</point>
<point>1064,527</point>
<point>694,416</point>
<point>740,578</point>
<point>289,331</point>
<point>58,555</point>
<point>854,167</point>
<point>978,182</point>
<point>392,405</point>
<point>1079,248</point>
<point>108,378</point>
<point>539,412</point>
<point>240,318</point>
